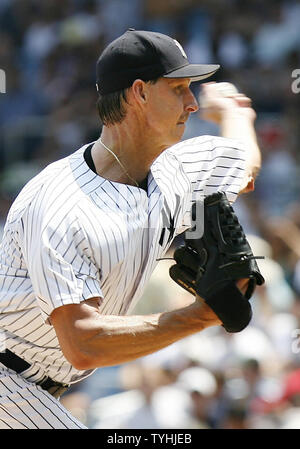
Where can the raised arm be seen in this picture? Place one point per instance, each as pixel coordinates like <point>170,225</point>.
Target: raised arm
<point>232,111</point>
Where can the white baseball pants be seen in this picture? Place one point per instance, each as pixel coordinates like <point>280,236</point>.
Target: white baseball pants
<point>25,405</point>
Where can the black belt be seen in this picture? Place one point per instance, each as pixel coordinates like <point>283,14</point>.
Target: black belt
<point>14,362</point>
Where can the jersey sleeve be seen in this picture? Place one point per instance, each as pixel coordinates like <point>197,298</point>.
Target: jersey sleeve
<point>212,164</point>
<point>60,263</point>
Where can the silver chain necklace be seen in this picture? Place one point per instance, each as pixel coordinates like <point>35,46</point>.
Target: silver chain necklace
<point>119,162</point>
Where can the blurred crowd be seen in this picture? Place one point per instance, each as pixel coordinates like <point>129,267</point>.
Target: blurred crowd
<point>48,51</point>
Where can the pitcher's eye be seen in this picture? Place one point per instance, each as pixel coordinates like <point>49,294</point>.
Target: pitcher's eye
<point>179,89</point>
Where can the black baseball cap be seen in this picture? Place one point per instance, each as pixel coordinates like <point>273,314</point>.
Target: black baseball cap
<point>145,55</point>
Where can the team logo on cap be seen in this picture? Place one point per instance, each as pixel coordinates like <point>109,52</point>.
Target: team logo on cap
<point>180,48</point>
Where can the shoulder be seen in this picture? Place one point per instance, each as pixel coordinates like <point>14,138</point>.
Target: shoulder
<point>35,189</point>
<point>50,197</point>
<point>205,143</point>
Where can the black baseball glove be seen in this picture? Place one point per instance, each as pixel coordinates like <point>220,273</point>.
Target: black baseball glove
<point>210,266</point>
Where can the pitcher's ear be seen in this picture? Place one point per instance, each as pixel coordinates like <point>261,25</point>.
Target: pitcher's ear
<point>139,90</point>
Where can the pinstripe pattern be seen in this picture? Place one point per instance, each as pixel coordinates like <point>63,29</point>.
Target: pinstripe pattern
<point>72,235</point>
<point>24,405</point>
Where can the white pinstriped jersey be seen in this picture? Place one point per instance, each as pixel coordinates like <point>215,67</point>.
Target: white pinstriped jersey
<point>72,235</point>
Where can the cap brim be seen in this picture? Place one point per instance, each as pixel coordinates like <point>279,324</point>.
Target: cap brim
<point>195,72</point>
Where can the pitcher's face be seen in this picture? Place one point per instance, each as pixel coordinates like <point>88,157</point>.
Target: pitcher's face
<point>170,103</point>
